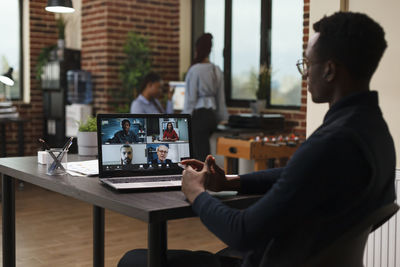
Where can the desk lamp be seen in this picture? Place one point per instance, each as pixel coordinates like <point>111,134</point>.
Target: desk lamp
<point>59,6</point>
<point>6,78</point>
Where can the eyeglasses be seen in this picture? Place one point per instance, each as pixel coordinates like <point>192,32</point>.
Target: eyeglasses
<point>302,66</point>
<point>163,151</point>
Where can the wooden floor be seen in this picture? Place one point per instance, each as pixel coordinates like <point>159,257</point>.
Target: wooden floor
<point>54,230</point>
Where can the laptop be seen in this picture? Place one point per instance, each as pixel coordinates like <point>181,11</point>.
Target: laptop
<point>136,152</point>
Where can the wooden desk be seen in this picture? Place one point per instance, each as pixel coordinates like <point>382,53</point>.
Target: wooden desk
<point>260,152</point>
<point>155,208</point>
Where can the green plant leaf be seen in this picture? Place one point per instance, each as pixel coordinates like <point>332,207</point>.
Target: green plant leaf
<point>90,125</point>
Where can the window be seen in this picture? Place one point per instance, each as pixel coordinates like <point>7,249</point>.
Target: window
<point>254,37</point>
<point>10,48</point>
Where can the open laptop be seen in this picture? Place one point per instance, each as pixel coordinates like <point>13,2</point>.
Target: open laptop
<point>133,153</point>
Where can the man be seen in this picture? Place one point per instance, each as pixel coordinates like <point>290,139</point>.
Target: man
<point>126,154</point>
<point>162,153</point>
<point>343,172</point>
<point>147,102</point>
<point>126,135</point>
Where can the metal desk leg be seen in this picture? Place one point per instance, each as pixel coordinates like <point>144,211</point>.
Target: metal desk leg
<point>8,196</point>
<point>157,242</point>
<point>3,140</point>
<point>98,236</point>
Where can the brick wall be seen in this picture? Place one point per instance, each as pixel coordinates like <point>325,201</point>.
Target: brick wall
<point>105,25</point>
<point>42,33</point>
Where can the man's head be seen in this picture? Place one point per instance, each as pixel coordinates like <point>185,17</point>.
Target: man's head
<point>346,48</point>
<point>126,154</point>
<point>151,85</point>
<point>162,152</point>
<point>126,125</point>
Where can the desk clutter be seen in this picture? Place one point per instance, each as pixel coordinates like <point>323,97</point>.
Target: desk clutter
<point>7,110</point>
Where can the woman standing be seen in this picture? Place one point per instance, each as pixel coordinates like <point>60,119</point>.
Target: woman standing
<point>204,97</point>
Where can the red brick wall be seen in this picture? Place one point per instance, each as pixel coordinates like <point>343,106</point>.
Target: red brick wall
<point>105,25</point>
<point>104,28</point>
<point>42,33</point>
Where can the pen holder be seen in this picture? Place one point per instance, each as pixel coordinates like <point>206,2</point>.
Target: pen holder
<point>56,158</point>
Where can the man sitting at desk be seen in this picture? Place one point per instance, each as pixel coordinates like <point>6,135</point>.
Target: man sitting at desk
<point>338,177</point>
<point>126,135</point>
<point>126,154</point>
<point>162,153</point>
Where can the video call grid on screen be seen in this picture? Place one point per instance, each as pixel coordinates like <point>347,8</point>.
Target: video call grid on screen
<point>133,142</point>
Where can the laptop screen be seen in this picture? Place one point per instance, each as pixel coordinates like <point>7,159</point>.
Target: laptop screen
<point>142,144</point>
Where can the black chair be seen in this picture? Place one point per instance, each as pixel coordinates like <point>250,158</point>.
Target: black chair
<point>346,251</point>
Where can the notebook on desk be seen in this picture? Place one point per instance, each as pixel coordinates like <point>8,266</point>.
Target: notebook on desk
<point>135,153</point>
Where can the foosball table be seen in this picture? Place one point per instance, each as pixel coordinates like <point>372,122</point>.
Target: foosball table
<point>267,152</point>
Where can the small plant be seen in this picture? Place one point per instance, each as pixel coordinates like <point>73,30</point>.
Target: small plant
<point>90,125</point>
<point>264,79</point>
<point>61,23</point>
<point>42,60</point>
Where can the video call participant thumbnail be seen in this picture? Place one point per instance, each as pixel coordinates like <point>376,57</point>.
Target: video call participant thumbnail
<point>126,135</point>
<point>162,153</point>
<point>169,133</point>
<point>126,154</point>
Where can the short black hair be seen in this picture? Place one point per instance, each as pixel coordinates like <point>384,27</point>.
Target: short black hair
<point>123,122</point>
<point>352,39</point>
<point>150,77</point>
<point>125,146</point>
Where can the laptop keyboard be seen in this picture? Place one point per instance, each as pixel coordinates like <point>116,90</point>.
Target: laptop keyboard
<point>145,179</point>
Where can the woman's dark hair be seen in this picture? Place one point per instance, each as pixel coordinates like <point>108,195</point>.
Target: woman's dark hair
<point>172,126</point>
<point>203,47</point>
<point>150,77</point>
<point>352,39</point>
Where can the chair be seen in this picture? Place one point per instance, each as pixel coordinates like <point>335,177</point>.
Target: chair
<point>348,250</point>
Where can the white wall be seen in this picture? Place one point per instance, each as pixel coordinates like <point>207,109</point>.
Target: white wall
<point>386,80</point>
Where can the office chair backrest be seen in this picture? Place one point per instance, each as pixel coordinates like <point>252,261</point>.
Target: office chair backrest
<point>347,250</point>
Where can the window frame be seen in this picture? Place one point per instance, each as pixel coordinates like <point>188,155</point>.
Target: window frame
<point>198,19</point>
<point>21,52</point>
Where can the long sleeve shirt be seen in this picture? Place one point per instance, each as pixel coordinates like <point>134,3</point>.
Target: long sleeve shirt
<point>344,171</point>
<point>143,106</point>
<point>205,89</point>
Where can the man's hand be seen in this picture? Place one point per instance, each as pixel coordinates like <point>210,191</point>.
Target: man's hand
<point>193,182</point>
<point>215,179</point>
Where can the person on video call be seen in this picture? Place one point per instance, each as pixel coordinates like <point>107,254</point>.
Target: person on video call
<point>162,153</point>
<point>126,135</point>
<point>147,102</point>
<point>169,133</point>
<point>126,154</point>
<point>342,173</point>
<point>204,97</point>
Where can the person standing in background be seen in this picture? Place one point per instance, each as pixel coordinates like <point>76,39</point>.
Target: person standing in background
<point>204,97</point>
<point>147,102</point>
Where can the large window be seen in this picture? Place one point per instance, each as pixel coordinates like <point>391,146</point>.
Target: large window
<point>10,47</point>
<point>253,39</point>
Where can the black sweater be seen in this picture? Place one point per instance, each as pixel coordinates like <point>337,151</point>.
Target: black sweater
<point>343,171</point>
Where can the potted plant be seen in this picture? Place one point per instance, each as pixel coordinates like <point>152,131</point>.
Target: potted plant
<point>264,79</point>
<point>132,70</point>
<point>87,137</point>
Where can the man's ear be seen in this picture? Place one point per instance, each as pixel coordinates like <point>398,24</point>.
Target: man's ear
<point>329,71</point>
